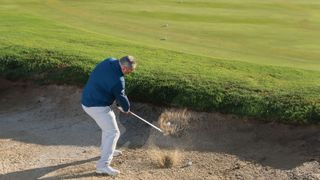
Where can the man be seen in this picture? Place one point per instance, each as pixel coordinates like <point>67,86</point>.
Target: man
<point>106,84</point>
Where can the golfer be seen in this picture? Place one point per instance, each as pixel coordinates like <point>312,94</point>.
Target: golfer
<point>106,84</point>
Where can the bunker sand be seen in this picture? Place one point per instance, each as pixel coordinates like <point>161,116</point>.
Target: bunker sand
<point>45,134</point>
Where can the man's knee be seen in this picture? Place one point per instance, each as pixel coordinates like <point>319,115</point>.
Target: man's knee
<point>112,132</point>
<point>117,133</point>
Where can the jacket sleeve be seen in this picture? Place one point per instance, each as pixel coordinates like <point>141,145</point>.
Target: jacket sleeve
<point>121,97</point>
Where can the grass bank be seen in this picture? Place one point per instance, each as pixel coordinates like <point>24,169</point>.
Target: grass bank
<point>243,89</point>
<point>51,49</point>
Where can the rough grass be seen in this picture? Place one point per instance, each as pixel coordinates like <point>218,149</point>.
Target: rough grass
<point>41,44</point>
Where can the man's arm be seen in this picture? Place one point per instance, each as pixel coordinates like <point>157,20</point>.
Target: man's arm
<point>121,97</point>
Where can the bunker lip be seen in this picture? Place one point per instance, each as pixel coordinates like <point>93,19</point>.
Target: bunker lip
<point>45,133</point>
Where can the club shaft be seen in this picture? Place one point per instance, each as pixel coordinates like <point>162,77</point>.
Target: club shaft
<point>146,122</point>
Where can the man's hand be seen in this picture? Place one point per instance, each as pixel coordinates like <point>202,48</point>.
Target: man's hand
<point>120,108</point>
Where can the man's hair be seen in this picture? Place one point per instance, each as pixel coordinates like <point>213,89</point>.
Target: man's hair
<point>128,61</point>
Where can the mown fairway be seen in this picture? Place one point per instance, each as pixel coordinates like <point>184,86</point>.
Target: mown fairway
<point>253,58</point>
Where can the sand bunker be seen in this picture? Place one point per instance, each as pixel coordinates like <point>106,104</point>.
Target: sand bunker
<point>44,134</point>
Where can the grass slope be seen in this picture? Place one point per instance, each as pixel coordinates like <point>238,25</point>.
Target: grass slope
<point>61,41</point>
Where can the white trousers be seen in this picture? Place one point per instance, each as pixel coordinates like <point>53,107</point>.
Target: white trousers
<point>106,120</point>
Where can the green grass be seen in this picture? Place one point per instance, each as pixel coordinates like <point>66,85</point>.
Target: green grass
<point>257,59</point>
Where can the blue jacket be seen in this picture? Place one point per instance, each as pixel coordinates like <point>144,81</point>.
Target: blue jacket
<point>106,84</point>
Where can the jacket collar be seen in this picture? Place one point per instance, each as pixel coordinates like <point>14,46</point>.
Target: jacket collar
<point>116,66</point>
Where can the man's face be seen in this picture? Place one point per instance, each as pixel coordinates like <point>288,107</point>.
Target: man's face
<point>126,70</point>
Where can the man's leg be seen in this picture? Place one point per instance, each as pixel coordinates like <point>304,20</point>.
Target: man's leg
<point>109,139</point>
<point>106,120</point>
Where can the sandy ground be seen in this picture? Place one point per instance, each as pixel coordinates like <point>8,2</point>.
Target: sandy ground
<point>44,134</point>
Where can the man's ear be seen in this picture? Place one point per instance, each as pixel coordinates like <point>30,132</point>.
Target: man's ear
<point>123,69</point>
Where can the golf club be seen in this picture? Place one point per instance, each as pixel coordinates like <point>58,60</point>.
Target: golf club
<point>146,121</point>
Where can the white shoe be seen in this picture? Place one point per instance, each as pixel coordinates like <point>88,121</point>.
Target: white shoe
<point>117,153</point>
<point>107,171</point>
